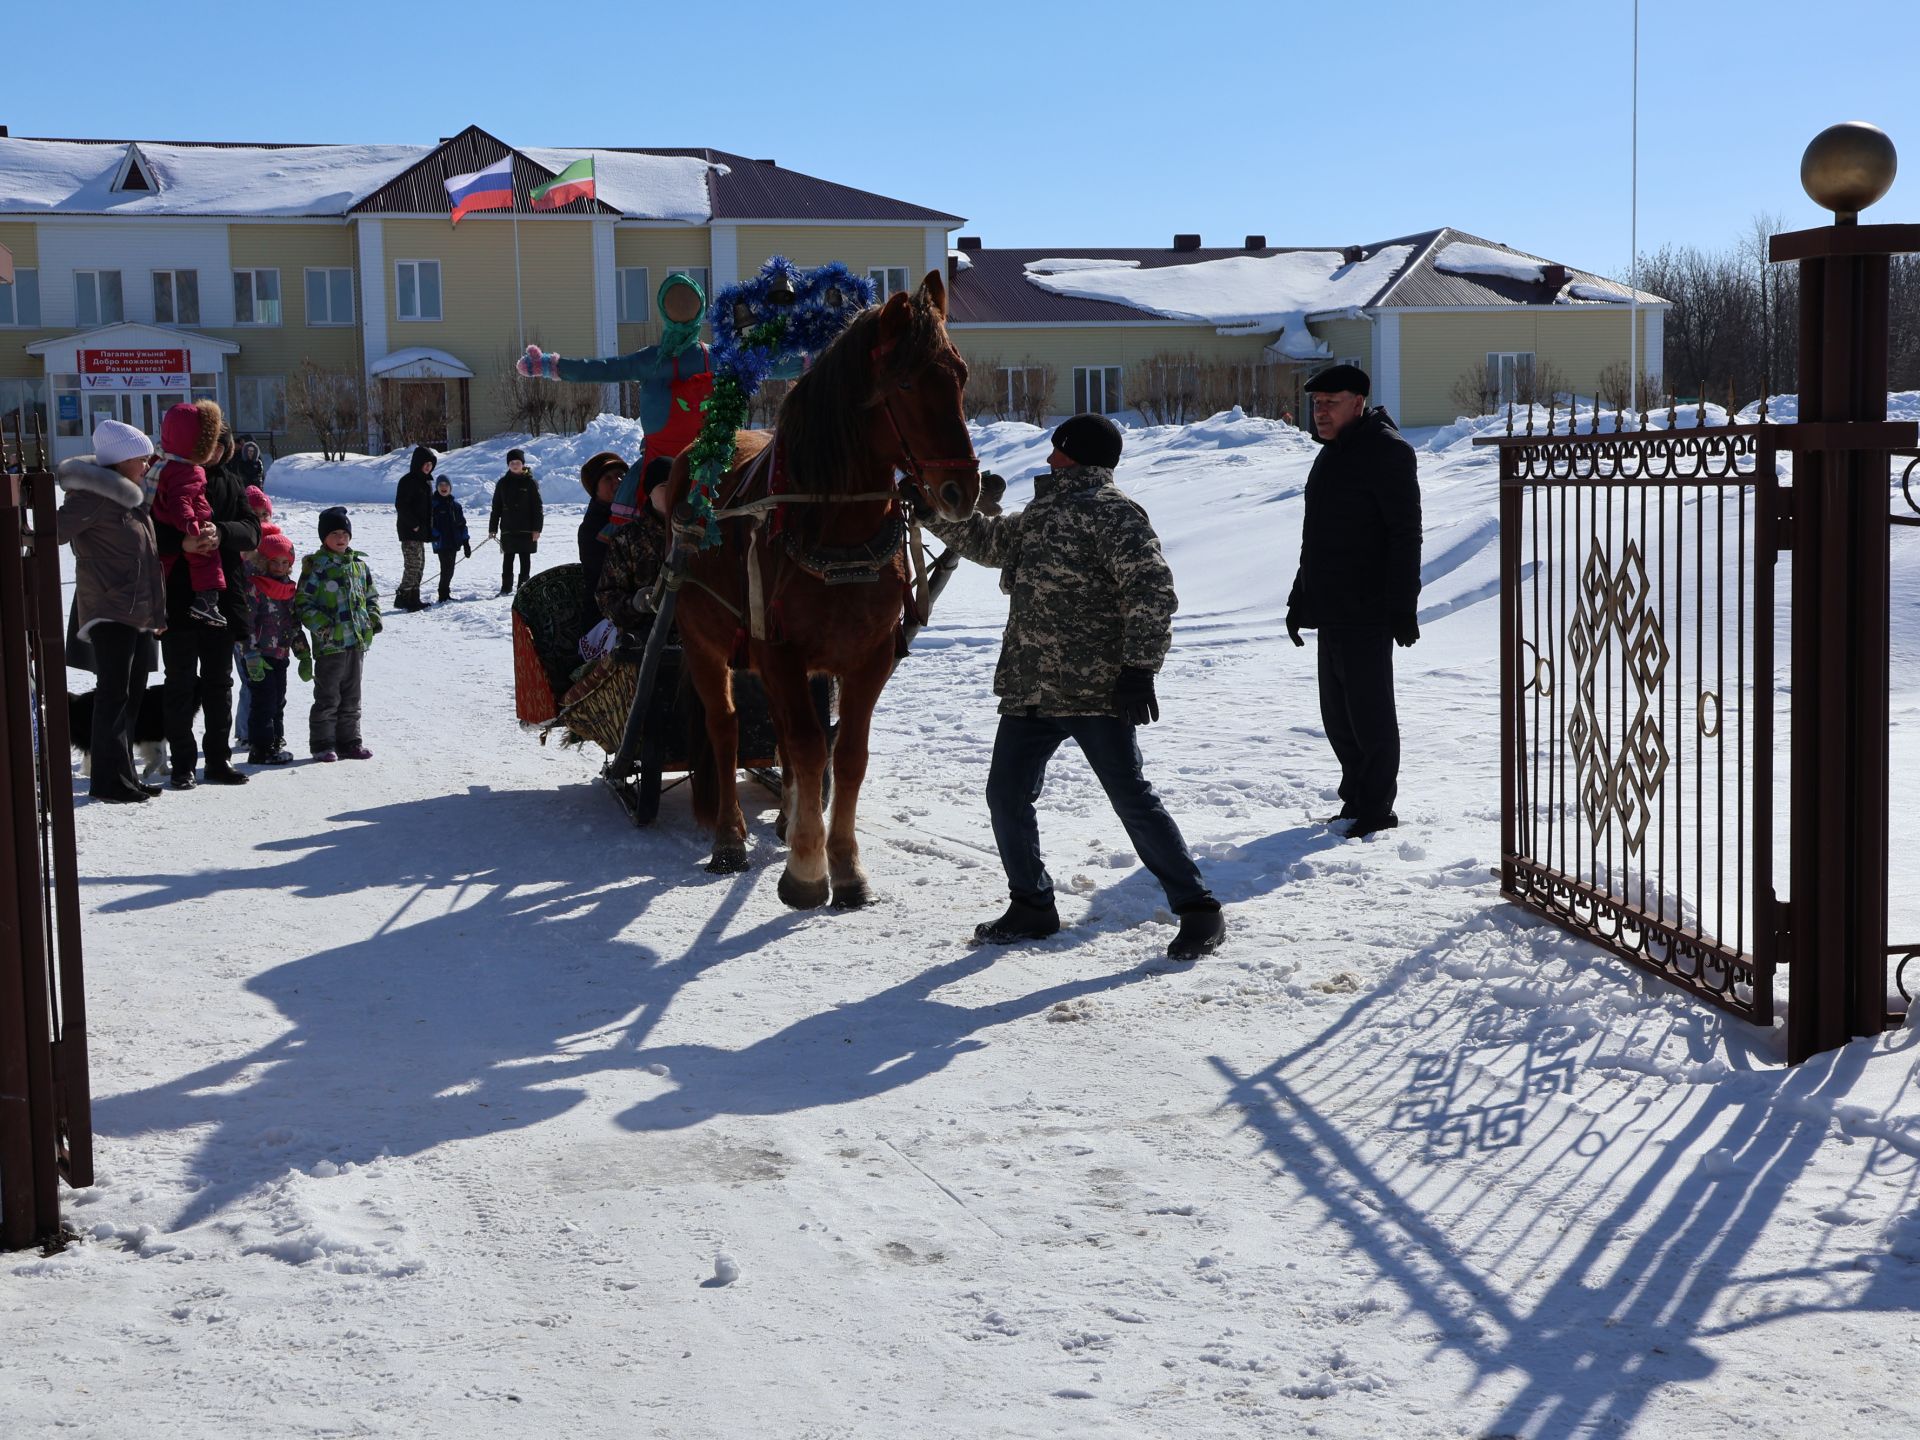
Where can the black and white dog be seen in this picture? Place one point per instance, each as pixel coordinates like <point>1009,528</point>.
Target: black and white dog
<point>149,731</point>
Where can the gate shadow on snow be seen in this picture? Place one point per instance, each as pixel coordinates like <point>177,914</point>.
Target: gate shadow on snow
<point>1434,1112</point>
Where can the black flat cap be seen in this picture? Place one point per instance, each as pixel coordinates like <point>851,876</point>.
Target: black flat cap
<point>1341,377</point>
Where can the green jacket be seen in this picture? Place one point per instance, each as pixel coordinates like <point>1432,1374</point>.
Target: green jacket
<point>337,601</point>
<point>1090,591</point>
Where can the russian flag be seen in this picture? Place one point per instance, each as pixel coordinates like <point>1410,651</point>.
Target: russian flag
<point>488,189</point>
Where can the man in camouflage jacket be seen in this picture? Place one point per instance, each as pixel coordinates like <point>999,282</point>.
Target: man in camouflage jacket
<point>1090,620</point>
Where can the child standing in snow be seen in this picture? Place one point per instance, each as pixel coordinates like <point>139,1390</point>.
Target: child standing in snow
<point>276,637</point>
<point>190,437</point>
<point>517,518</point>
<point>449,533</point>
<point>261,508</point>
<point>338,602</point>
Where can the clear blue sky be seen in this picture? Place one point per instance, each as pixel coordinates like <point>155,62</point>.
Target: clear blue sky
<point>1064,124</point>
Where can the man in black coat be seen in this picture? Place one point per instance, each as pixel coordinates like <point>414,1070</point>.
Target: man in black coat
<point>1358,584</point>
<point>198,657</point>
<point>413,515</point>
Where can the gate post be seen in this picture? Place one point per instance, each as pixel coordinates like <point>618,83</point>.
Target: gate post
<point>1841,596</point>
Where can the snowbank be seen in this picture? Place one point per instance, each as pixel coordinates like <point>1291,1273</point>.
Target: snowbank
<point>1238,294</point>
<point>1464,258</point>
<point>370,479</point>
<point>1785,409</point>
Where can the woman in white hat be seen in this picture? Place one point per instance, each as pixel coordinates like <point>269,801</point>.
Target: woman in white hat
<point>119,600</point>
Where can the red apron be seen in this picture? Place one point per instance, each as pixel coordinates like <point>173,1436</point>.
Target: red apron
<point>684,415</point>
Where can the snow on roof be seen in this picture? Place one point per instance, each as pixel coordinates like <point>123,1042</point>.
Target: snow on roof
<point>1240,293</point>
<point>648,187</point>
<point>73,178</point>
<point>1609,294</point>
<point>961,260</point>
<point>1069,264</point>
<point>1462,258</point>
<point>421,360</point>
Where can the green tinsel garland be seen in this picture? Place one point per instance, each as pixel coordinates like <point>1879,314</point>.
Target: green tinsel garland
<point>725,413</point>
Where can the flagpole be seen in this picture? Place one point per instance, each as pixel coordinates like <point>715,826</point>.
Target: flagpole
<point>519,311</point>
<point>1633,233</point>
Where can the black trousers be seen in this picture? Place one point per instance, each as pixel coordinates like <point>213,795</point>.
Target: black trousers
<point>199,679</point>
<point>1021,750</point>
<point>334,721</point>
<point>1356,707</point>
<point>120,671</point>
<point>267,713</point>
<point>448,559</point>
<point>506,567</point>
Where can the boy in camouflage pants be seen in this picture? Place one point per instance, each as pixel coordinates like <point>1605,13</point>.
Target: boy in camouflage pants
<point>1090,619</point>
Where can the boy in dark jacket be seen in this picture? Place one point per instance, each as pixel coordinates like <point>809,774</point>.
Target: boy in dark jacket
<point>338,602</point>
<point>517,518</point>
<point>413,517</point>
<point>276,638</point>
<point>449,533</point>
<point>1090,620</point>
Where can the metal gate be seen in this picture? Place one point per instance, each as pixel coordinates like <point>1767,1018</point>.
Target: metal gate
<point>46,1131</point>
<point>1637,654</point>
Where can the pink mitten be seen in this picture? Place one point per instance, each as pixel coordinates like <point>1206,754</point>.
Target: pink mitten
<point>536,364</point>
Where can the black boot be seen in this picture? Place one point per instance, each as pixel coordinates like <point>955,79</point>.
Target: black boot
<point>1202,928</point>
<point>1023,920</point>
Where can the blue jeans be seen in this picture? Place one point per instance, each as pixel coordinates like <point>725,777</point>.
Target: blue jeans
<point>268,698</point>
<point>1021,750</point>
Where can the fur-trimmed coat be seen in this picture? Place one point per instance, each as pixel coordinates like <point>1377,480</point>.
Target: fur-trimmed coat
<point>116,565</point>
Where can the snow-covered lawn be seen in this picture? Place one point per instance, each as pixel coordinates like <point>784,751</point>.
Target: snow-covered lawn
<point>428,1091</point>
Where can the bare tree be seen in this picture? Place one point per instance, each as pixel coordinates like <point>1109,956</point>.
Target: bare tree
<point>986,388</point>
<point>331,404</point>
<point>1473,393</point>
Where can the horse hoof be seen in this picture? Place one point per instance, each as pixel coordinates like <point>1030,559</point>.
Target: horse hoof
<point>802,894</point>
<point>852,897</point>
<point>728,860</point>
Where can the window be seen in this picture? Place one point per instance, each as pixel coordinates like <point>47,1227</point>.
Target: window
<point>1096,388</point>
<point>1510,376</point>
<point>1023,386</point>
<point>698,274</point>
<point>417,289</point>
<point>330,297</point>
<point>20,301</point>
<point>96,298</point>
<point>260,402</point>
<point>176,297</point>
<point>636,307</point>
<point>887,280</point>
<point>256,297</point>
<point>23,402</point>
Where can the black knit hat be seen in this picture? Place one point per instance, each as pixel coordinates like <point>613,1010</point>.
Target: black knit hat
<point>519,455</point>
<point>1089,440</point>
<point>659,470</point>
<point>1341,377</point>
<point>333,518</point>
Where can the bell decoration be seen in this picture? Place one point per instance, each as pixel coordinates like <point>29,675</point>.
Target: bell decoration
<point>834,298</point>
<point>781,291</point>
<point>742,316</point>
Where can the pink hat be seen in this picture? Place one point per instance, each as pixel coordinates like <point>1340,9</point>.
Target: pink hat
<point>257,501</point>
<point>274,545</point>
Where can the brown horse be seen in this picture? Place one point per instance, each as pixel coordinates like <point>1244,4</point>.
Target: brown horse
<point>883,398</point>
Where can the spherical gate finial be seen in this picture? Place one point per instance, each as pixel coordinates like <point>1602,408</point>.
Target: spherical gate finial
<point>1847,167</point>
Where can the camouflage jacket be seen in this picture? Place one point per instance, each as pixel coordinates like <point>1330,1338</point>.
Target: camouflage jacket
<point>1090,591</point>
<point>634,557</point>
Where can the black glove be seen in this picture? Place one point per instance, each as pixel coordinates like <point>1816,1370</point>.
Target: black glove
<point>1133,696</point>
<point>992,491</point>
<point>1406,630</point>
<point>1293,629</point>
<point>467,545</point>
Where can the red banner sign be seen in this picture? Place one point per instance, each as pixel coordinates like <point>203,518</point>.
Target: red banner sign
<point>133,362</point>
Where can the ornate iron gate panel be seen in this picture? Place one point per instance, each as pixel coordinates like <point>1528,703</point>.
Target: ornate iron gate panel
<point>46,1130</point>
<point>1637,655</point>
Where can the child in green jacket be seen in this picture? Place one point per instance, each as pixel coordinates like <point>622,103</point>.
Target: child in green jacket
<point>340,604</point>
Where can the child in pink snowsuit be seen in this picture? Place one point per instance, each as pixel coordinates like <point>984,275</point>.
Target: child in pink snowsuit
<point>190,437</point>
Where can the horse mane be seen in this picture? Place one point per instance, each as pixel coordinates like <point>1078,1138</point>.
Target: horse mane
<point>823,421</point>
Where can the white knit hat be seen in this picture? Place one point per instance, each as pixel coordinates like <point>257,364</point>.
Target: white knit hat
<point>115,440</point>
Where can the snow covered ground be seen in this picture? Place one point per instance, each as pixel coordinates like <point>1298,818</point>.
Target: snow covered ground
<point>428,1091</point>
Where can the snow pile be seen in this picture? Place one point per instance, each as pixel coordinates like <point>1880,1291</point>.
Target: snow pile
<point>71,178</point>
<point>1073,265</point>
<point>1601,294</point>
<point>1584,420</point>
<point>641,186</point>
<point>370,479</point>
<point>1785,409</point>
<point>961,259</point>
<point>1464,258</point>
<point>1240,293</point>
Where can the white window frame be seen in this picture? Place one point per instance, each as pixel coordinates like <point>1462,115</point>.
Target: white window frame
<point>1083,382</point>
<point>1008,372</point>
<point>883,286</point>
<point>172,277</point>
<point>306,291</point>
<point>1503,369</point>
<point>439,285</point>
<point>100,316</point>
<point>623,289</point>
<point>250,403</point>
<point>11,319</point>
<point>253,274</point>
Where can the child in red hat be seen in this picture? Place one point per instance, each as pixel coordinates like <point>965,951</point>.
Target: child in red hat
<point>276,637</point>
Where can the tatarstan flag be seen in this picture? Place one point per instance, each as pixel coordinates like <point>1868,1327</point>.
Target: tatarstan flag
<point>573,183</point>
